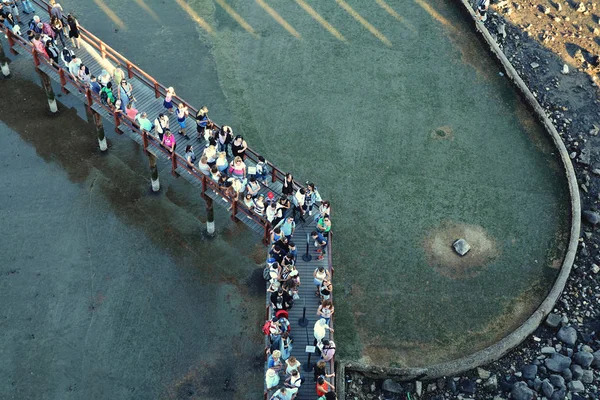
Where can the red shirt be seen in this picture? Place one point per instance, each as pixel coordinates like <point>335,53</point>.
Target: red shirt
<point>325,386</point>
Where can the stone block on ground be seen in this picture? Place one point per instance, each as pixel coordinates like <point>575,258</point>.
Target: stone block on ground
<point>557,363</point>
<point>461,247</point>
<point>567,335</point>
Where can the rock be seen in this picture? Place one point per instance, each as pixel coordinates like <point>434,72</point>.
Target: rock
<point>587,376</point>
<point>565,69</point>
<point>502,30</point>
<point>462,247</point>
<point>529,371</point>
<point>537,384</point>
<point>581,7</point>
<point>591,217</point>
<point>483,374</point>
<point>441,383</point>
<point>467,386</point>
<point>567,335</point>
<point>553,320</point>
<point>558,395</point>
<point>451,385</point>
<point>596,362</point>
<point>534,65</point>
<point>432,387</point>
<point>585,156</point>
<point>577,371</point>
<point>491,385</point>
<point>520,391</point>
<point>548,349</point>
<point>576,387</point>
<point>419,388</point>
<point>595,268</point>
<point>596,171</point>
<point>573,155</point>
<point>547,388</point>
<point>391,386</point>
<point>557,363</point>
<point>583,358</point>
<point>373,387</point>
<point>567,374</point>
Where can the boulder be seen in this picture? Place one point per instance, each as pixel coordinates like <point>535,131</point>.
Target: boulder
<point>529,371</point>
<point>587,376</point>
<point>547,388</point>
<point>520,391</point>
<point>559,395</point>
<point>583,358</point>
<point>577,371</point>
<point>557,363</point>
<point>596,362</point>
<point>576,387</point>
<point>557,381</point>
<point>567,335</point>
<point>391,386</point>
<point>462,247</point>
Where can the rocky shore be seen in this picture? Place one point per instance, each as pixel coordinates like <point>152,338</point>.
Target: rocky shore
<point>555,47</point>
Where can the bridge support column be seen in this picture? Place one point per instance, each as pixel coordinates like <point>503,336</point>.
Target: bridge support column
<point>47,84</point>
<point>100,129</point>
<point>210,216</point>
<point>4,62</point>
<point>154,172</point>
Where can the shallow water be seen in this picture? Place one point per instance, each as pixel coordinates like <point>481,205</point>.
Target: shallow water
<point>409,141</point>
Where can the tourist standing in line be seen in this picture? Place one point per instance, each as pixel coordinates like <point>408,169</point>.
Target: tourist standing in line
<point>161,124</point>
<point>238,147</point>
<point>169,141</point>
<point>182,113</point>
<point>262,170</point>
<point>118,75</point>
<point>327,349</point>
<point>288,185</point>
<point>271,379</point>
<point>288,228</point>
<point>104,78</point>
<point>253,187</point>
<point>324,225</point>
<point>323,387</point>
<point>320,274</point>
<point>222,163</point>
<point>168,102</point>
<point>224,138</point>
<point>57,10</point>
<point>73,30</point>
<point>95,86</point>
<point>14,9</point>
<point>298,200</point>
<point>203,166</point>
<point>320,241</point>
<point>326,310</point>
<point>281,394</point>
<point>259,205</point>
<point>292,364</point>
<point>201,121</point>
<point>27,7</point>
<point>58,27</point>
<point>320,330</point>
<point>237,169</point>
<point>131,111</point>
<point>190,156</point>
<point>52,51</point>
<point>320,369</point>
<point>125,93</point>
<point>144,122</point>
<point>293,383</point>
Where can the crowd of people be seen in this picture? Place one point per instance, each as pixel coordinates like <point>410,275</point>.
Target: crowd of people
<point>283,376</point>
<point>222,159</point>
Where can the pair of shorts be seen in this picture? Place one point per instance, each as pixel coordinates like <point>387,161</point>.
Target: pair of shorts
<point>181,124</point>
<point>168,105</point>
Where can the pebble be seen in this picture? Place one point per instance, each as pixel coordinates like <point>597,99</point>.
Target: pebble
<point>567,335</point>
<point>520,391</point>
<point>576,386</point>
<point>530,371</point>
<point>553,321</point>
<point>583,358</point>
<point>591,217</point>
<point>548,349</point>
<point>557,363</point>
<point>392,387</point>
<point>547,388</point>
<point>484,374</point>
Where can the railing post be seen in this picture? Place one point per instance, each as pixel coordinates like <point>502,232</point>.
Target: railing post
<point>4,62</point>
<point>145,139</point>
<point>210,216</point>
<point>129,71</point>
<point>274,174</point>
<point>117,123</point>
<point>102,50</point>
<point>203,184</point>
<point>156,90</point>
<point>234,210</point>
<point>63,80</point>
<point>174,164</point>
<point>47,85</point>
<point>100,130</point>
<point>154,172</point>
<point>36,58</point>
<point>11,40</point>
<point>88,96</point>
<point>267,233</point>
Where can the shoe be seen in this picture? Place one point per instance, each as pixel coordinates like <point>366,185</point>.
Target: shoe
<point>319,251</point>
<point>320,257</point>
<point>310,213</point>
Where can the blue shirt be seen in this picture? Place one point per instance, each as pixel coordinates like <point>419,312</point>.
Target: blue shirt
<point>287,228</point>
<point>95,86</point>
<point>321,239</point>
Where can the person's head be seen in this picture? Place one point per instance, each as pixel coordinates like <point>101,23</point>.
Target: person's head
<point>188,148</point>
<point>37,36</point>
<point>325,341</point>
<point>36,19</point>
<point>271,373</point>
<point>118,103</point>
<point>261,197</point>
<point>222,155</point>
<point>261,159</point>
<point>181,106</point>
<point>280,291</point>
<point>276,249</point>
<point>226,129</point>
<point>238,139</point>
<point>277,231</point>
<point>294,373</point>
<point>167,132</point>
<point>326,218</point>
<point>70,17</point>
<point>214,169</point>
<point>290,220</point>
<point>292,360</point>
<point>276,354</point>
<point>292,245</point>
<point>320,380</point>
<point>273,206</point>
<point>321,268</point>
<point>144,115</point>
<point>129,106</point>
<point>327,304</point>
<point>203,110</point>
<point>326,203</point>
<point>108,85</point>
<point>248,196</point>
<point>252,179</point>
<point>93,79</point>
<point>314,234</point>
<point>283,390</point>
<point>237,160</point>
<point>289,177</point>
<point>302,191</point>
<point>311,186</point>
<point>203,160</point>
<point>170,89</point>
<point>283,239</point>
<point>321,364</point>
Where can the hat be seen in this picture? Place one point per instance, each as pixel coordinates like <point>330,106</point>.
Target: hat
<point>270,195</point>
<point>294,272</point>
<point>271,372</point>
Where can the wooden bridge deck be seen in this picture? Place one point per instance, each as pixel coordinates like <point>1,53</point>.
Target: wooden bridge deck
<point>98,56</point>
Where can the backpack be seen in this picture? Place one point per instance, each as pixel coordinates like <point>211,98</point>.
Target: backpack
<point>68,55</point>
<point>104,96</point>
<point>267,328</point>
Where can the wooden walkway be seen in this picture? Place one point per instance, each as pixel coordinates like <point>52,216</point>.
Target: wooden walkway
<point>149,94</point>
